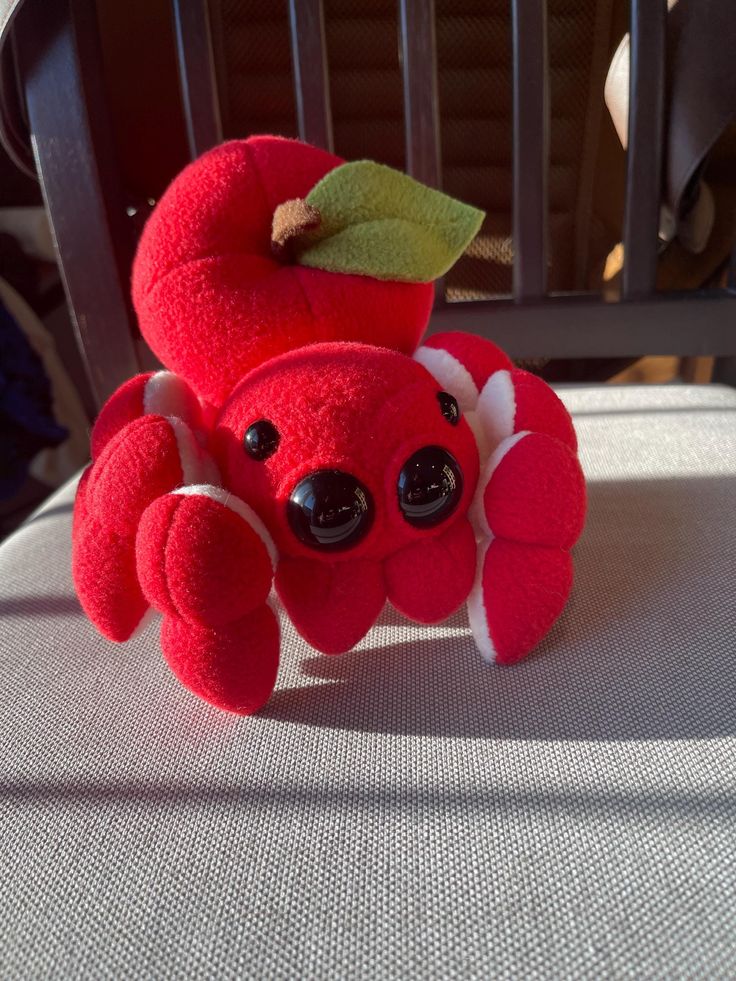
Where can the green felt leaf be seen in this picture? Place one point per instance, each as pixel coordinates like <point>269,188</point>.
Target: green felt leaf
<point>379,222</point>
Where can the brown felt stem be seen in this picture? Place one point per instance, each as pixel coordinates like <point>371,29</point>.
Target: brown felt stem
<point>290,220</point>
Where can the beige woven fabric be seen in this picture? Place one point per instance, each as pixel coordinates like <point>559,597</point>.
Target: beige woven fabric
<point>401,811</point>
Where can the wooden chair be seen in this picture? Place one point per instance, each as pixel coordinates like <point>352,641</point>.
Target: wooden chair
<point>401,810</point>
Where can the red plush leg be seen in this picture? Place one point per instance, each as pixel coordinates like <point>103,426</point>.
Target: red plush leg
<point>532,490</point>
<point>206,561</point>
<point>516,401</point>
<point>332,605</point>
<point>149,457</point>
<point>155,393</point>
<point>479,357</point>
<point>103,568</point>
<point>429,580</point>
<point>203,556</point>
<point>519,592</point>
<point>232,667</point>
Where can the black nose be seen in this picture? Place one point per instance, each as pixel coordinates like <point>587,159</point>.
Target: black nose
<point>330,510</point>
<point>430,486</point>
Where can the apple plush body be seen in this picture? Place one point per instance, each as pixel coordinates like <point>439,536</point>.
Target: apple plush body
<point>211,298</point>
<point>299,446</point>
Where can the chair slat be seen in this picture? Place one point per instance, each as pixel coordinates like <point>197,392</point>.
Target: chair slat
<point>60,65</point>
<point>311,80</point>
<point>644,153</point>
<point>421,102</point>
<point>581,326</point>
<point>531,147</point>
<point>197,75</point>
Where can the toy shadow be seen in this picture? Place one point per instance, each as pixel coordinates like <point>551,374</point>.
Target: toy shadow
<point>645,649</point>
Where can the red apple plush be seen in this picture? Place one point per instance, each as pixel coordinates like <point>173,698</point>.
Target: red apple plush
<point>212,299</point>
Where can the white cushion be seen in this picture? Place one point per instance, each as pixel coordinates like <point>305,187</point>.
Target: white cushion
<point>403,810</point>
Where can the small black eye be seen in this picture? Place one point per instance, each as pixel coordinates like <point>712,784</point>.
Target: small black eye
<point>449,407</point>
<point>430,486</point>
<point>261,440</point>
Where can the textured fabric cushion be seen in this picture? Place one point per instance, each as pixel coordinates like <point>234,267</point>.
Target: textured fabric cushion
<point>403,810</point>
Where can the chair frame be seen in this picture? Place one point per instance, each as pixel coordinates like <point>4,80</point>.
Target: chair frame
<point>84,193</point>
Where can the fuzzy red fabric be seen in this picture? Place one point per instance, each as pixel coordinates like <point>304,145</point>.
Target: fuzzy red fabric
<point>213,302</point>
<point>154,393</point>
<point>479,356</point>
<point>363,411</point>
<point>350,407</point>
<point>103,570</point>
<point>191,555</point>
<point>123,406</point>
<point>203,565</point>
<point>531,508</point>
<point>536,494</point>
<point>539,409</point>
<point>429,580</point>
<point>332,604</point>
<point>233,667</point>
<point>524,590</point>
<point>138,465</point>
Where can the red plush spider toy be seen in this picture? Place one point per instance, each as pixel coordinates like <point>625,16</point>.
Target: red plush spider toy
<point>304,444</point>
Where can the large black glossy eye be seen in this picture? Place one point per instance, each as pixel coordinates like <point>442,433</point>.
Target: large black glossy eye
<point>261,440</point>
<point>430,485</point>
<point>330,510</point>
<point>449,407</point>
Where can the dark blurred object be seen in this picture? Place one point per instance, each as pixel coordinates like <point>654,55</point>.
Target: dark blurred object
<point>13,121</point>
<point>35,279</point>
<point>16,187</point>
<point>16,267</point>
<point>27,424</point>
<point>253,65</point>
<point>144,104</point>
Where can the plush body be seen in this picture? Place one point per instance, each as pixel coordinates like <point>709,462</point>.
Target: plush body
<point>317,458</point>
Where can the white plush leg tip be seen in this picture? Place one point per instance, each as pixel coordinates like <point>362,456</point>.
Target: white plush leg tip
<point>165,394</point>
<point>477,610</point>
<point>453,376</point>
<point>497,407</point>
